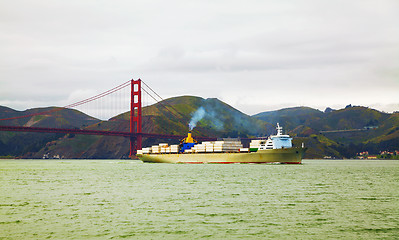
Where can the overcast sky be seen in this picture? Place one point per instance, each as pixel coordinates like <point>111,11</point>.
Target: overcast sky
<point>254,55</point>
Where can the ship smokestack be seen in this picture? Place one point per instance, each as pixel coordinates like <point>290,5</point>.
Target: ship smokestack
<point>189,138</point>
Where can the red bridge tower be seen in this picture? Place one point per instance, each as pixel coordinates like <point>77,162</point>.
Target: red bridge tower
<point>135,117</point>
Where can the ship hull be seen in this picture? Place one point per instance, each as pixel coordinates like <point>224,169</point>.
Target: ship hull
<point>288,155</point>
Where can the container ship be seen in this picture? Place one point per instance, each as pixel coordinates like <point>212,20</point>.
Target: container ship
<point>275,149</point>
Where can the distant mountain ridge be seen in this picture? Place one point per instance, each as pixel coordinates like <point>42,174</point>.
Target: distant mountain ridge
<point>375,130</point>
<point>21,144</point>
<point>290,118</point>
<point>219,119</point>
<point>347,118</point>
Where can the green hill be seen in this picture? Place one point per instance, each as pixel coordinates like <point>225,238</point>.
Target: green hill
<point>340,133</point>
<point>27,144</point>
<point>291,118</point>
<point>171,116</point>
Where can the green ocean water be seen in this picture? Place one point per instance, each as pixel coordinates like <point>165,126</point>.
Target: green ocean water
<point>115,199</point>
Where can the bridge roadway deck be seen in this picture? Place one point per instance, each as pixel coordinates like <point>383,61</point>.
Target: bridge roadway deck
<point>96,132</point>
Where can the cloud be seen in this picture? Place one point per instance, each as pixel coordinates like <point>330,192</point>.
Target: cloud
<point>315,52</point>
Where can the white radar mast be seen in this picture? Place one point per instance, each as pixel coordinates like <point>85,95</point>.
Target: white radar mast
<point>279,130</point>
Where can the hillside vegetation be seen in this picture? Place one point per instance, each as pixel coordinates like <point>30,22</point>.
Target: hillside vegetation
<point>339,134</point>
<point>26,144</point>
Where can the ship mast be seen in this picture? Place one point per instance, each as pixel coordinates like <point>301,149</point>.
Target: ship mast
<point>279,130</point>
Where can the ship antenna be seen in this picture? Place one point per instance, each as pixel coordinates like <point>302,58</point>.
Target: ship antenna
<point>279,129</point>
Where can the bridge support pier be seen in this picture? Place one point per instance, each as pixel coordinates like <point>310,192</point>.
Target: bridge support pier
<point>135,117</point>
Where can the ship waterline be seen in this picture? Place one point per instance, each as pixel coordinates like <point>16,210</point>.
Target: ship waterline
<point>284,155</point>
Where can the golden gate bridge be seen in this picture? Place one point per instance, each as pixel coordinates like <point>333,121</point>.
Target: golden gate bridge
<point>135,134</point>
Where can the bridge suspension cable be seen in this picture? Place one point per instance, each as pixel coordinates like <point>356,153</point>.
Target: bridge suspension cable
<point>160,103</point>
<point>166,105</point>
<point>180,115</point>
<point>135,99</point>
<point>76,104</point>
<point>163,103</point>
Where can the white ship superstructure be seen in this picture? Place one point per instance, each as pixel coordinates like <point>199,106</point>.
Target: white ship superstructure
<point>277,141</point>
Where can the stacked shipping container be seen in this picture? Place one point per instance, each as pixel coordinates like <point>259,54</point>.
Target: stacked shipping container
<point>204,147</point>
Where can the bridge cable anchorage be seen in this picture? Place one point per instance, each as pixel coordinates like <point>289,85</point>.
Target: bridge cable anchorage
<point>181,116</point>
<point>70,106</point>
